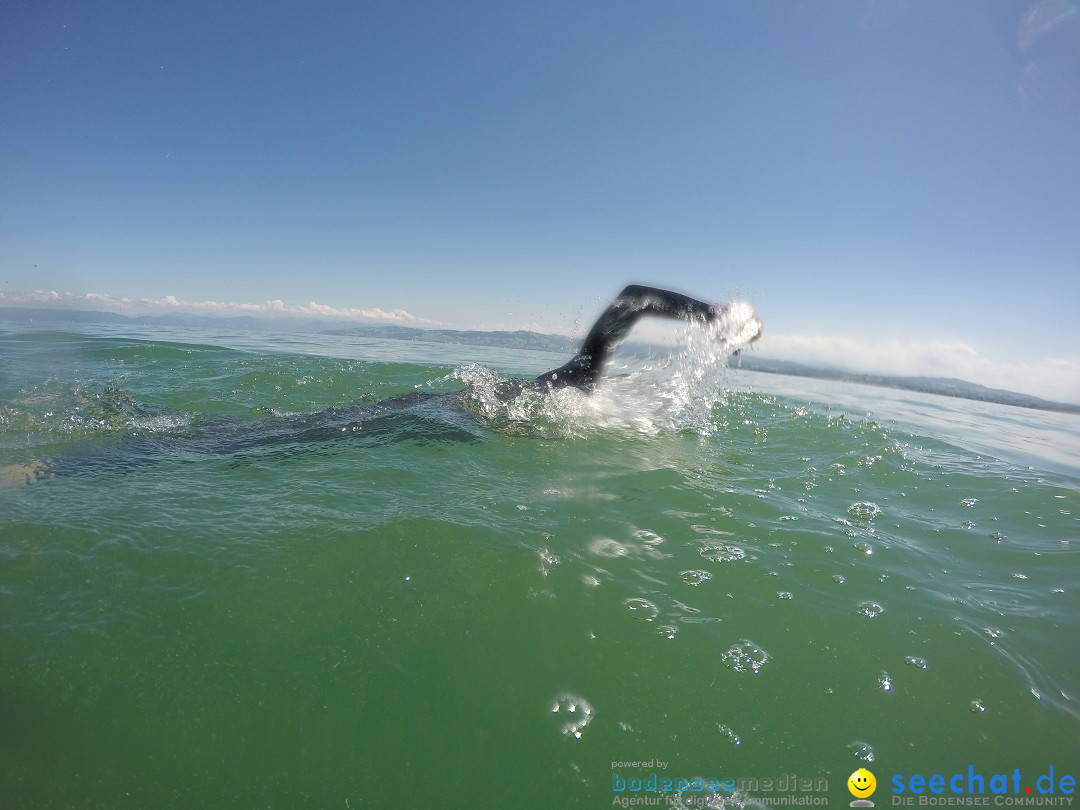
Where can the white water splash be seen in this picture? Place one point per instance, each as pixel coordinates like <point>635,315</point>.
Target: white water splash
<point>648,394</point>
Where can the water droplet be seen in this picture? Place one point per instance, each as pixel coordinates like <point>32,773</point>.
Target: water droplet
<point>642,609</point>
<point>695,577</point>
<point>692,794</point>
<point>572,713</point>
<point>547,561</point>
<point>729,735</point>
<point>745,656</point>
<point>870,610</point>
<point>862,751</point>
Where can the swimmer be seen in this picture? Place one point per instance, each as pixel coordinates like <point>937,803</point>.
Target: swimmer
<point>419,415</point>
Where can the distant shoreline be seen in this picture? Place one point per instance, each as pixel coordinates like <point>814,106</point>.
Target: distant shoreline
<point>531,341</point>
<point>942,386</point>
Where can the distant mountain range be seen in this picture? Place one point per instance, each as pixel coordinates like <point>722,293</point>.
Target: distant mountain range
<point>521,339</point>
<point>944,386</point>
<point>529,341</point>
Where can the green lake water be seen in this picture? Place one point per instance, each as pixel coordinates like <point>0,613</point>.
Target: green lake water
<point>211,596</point>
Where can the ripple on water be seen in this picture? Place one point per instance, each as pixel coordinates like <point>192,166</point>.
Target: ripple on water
<point>745,656</point>
<point>606,547</point>
<point>1010,599</point>
<point>721,552</point>
<point>648,538</point>
<point>641,609</point>
<point>572,713</point>
<point>862,513</point>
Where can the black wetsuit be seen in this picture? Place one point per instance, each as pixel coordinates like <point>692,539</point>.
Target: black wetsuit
<point>633,303</point>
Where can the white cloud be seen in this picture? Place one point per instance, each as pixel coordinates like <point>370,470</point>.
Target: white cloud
<point>170,303</point>
<point>1053,378</point>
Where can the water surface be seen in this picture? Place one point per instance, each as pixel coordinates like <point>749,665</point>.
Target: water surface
<point>465,603</point>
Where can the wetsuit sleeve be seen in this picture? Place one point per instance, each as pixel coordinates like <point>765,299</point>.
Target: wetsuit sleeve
<point>633,303</point>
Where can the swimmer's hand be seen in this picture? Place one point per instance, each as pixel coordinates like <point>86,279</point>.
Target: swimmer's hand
<point>740,324</point>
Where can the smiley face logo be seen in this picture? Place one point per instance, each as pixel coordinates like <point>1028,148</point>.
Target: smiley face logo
<point>862,784</point>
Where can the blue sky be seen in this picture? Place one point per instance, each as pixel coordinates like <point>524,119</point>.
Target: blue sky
<point>894,185</point>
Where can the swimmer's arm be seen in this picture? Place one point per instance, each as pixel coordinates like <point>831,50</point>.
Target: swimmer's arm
<point>633,303</point>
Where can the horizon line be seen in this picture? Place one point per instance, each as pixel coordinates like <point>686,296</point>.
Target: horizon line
<point>1051,379</point>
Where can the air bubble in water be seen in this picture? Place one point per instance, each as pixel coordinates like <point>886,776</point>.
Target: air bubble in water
<point>695,577</point>
<point>862,751</point>
<point>745,656</point>
<point>870,610</point>
<point>721,552</point>
<point>729,735</point>
<point>573,714</point>
<point>863,512</point>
